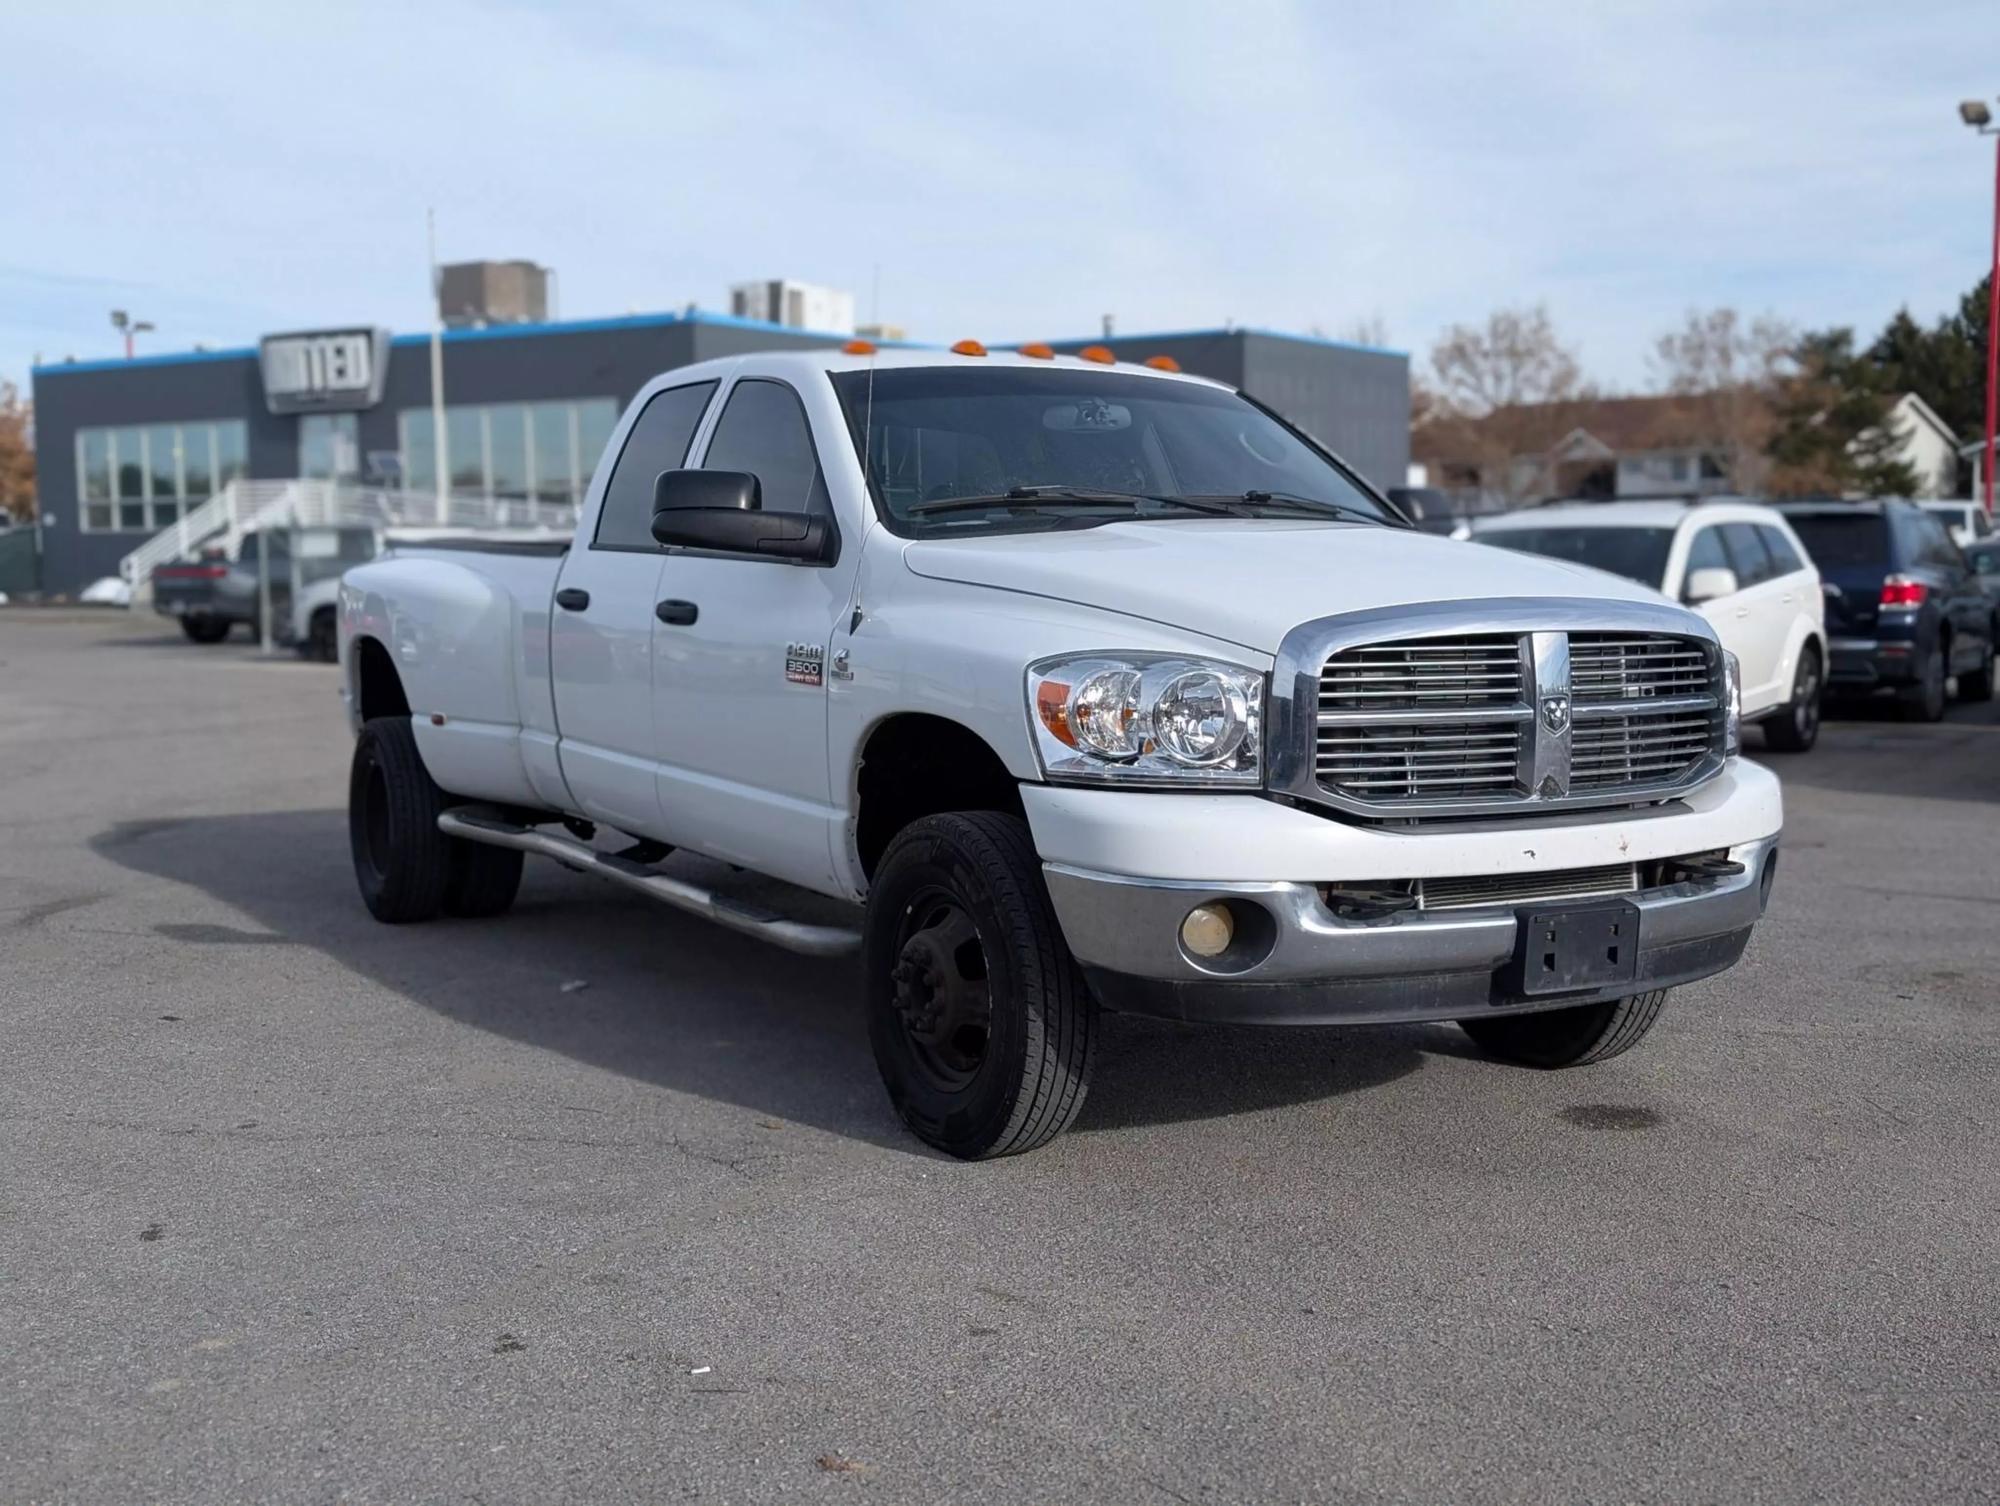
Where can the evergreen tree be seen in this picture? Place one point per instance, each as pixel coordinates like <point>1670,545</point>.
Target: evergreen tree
<point>1833,435</point>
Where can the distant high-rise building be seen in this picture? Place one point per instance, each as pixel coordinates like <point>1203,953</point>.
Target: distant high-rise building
<point>475,293</point>
<point>799,305</point>
<point>881,332</point>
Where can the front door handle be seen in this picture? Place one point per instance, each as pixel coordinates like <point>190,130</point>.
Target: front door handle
<point>677,613</point>
<point>572,599</point>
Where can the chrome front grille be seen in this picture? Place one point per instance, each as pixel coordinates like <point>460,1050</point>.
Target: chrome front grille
<point>1415,760</point>
<point>1491,710</point>
<point>1624,667</point>
<point>1481,669</point>
<point>1642,749</point>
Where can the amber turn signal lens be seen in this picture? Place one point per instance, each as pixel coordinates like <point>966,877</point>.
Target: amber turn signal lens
<point>857,348</point>
<point>1101,354</point>
<point>1039,351</point>
<point>1052,706</point>
<point>1163,363</point>
<point>968,348</point>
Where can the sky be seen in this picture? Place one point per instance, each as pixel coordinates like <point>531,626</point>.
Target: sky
<point>1007,171</point>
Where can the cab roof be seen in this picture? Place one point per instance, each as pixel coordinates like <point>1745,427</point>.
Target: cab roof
<point>1625,515</point>
<point>809,362</point>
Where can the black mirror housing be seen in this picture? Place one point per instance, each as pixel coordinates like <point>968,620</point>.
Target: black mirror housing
<point>737,490</point>
<point>733,530</point>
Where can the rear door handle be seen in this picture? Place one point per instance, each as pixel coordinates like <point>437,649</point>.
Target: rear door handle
<point>677,613</point>
<point>572,599</point>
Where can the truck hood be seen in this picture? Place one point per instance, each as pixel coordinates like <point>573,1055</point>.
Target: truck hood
<point>1251,581</point>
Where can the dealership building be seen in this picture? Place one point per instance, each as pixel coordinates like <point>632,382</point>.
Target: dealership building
<point>124,448</point>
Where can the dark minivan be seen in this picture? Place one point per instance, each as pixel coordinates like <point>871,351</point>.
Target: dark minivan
<point>1904,611</point>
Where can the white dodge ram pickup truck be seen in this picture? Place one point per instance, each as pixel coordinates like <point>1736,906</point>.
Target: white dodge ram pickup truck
<point>1095,686</point>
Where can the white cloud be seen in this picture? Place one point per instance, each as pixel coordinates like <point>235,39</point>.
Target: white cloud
<point>1014,172</point>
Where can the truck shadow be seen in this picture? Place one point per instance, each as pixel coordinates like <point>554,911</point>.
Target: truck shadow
<point>610,980</point>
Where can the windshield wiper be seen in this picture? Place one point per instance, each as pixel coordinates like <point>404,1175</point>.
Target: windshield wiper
<point>1028,497</point>
<point>1255,502</point>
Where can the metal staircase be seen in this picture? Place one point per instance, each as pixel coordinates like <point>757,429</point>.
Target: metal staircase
<point>245,506</point>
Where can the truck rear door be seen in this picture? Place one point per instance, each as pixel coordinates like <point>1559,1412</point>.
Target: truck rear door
<point>601,626</point>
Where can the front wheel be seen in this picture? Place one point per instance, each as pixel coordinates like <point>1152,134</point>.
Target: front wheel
<point>1794,727</point>
<point>1977,684</point>
<point>1924,701</point>
<point>1572,1037</point>
<point>205,629</point>
<point>982,1025</point>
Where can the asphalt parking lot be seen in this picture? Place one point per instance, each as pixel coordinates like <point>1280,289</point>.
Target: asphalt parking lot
<point>598,1203</point>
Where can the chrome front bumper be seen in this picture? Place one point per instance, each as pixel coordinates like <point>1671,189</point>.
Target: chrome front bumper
<point>1313,966</point>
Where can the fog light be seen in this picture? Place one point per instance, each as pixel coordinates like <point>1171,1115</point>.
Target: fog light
<point>1208,930</point>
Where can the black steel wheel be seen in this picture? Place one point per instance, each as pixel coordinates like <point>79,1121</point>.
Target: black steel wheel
<point>402,862</point>
<point>1794,727</point>
<point>982,1025</point>
<point>322,639</point>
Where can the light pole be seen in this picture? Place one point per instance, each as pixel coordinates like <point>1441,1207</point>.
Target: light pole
<point>127,326</point>
<point>1975,114</point>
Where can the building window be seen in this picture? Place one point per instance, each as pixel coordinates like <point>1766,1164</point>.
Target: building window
<point>510,451</point>
<point>142,479</point>
<point>329,447</point>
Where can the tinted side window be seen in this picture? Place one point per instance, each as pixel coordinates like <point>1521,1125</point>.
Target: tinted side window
<point>1705,552</point>
<point>1784,558</point>
<point>658,442</point>
<point>1753,561</point>
<point>763,430</point>
<point>1937,546</point>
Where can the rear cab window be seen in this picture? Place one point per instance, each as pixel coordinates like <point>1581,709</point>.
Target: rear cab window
<point>658,442</point>
<point>1636,553</point>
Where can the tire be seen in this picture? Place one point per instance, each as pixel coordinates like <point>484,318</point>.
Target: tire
<point>988,1052</point>
<point>1977,685</point>
<point>401,860</point>
<point>1795,727</point>
<point>1573,1037</point>
<point>481,881</point>
<point>1925,700</point>
<point>205,629</point>
<point>322,642</point>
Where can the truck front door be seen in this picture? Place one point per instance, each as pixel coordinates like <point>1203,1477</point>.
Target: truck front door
<point>601,628</point>
<point>740,657</point>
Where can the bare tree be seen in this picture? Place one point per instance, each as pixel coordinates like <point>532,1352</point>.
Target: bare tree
<point>1728,373</point>
<point>1504,394</point>
<point>1371,330</point>
<point>17,454</point>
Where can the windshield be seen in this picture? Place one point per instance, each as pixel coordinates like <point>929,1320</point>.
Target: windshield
<point>935,436</point>
<point>1843,539</point>
<point>1636,553</point>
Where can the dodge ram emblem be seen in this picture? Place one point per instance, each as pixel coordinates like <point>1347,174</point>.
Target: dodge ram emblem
<point>804,663</point>
<point>1555,713</point>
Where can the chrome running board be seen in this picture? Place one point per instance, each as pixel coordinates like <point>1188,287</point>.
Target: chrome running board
<point>477,824</point>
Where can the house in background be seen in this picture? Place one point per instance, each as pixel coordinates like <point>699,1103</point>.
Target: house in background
<point>1604,448</point>
<point>1927,445</point>
<point>1596,447</point>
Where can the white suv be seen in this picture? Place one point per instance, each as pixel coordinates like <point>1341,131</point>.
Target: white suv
<point>1738,564</point>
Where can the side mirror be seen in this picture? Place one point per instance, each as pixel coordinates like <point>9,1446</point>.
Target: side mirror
<point>724,510</point>
<point>1710,584</point>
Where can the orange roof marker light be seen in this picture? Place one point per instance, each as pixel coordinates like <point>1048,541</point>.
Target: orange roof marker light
<point>1101,354</point>
<point>1039,351</point>
<point>858,348</point>
<point>1163,363</point>
<point>968,348</point>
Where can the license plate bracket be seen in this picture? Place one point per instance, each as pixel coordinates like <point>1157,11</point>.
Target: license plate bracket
<point>1577,947</point>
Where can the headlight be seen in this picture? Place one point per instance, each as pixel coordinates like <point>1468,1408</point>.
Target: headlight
<point>1732,716</point>
<point>1147,719</point>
